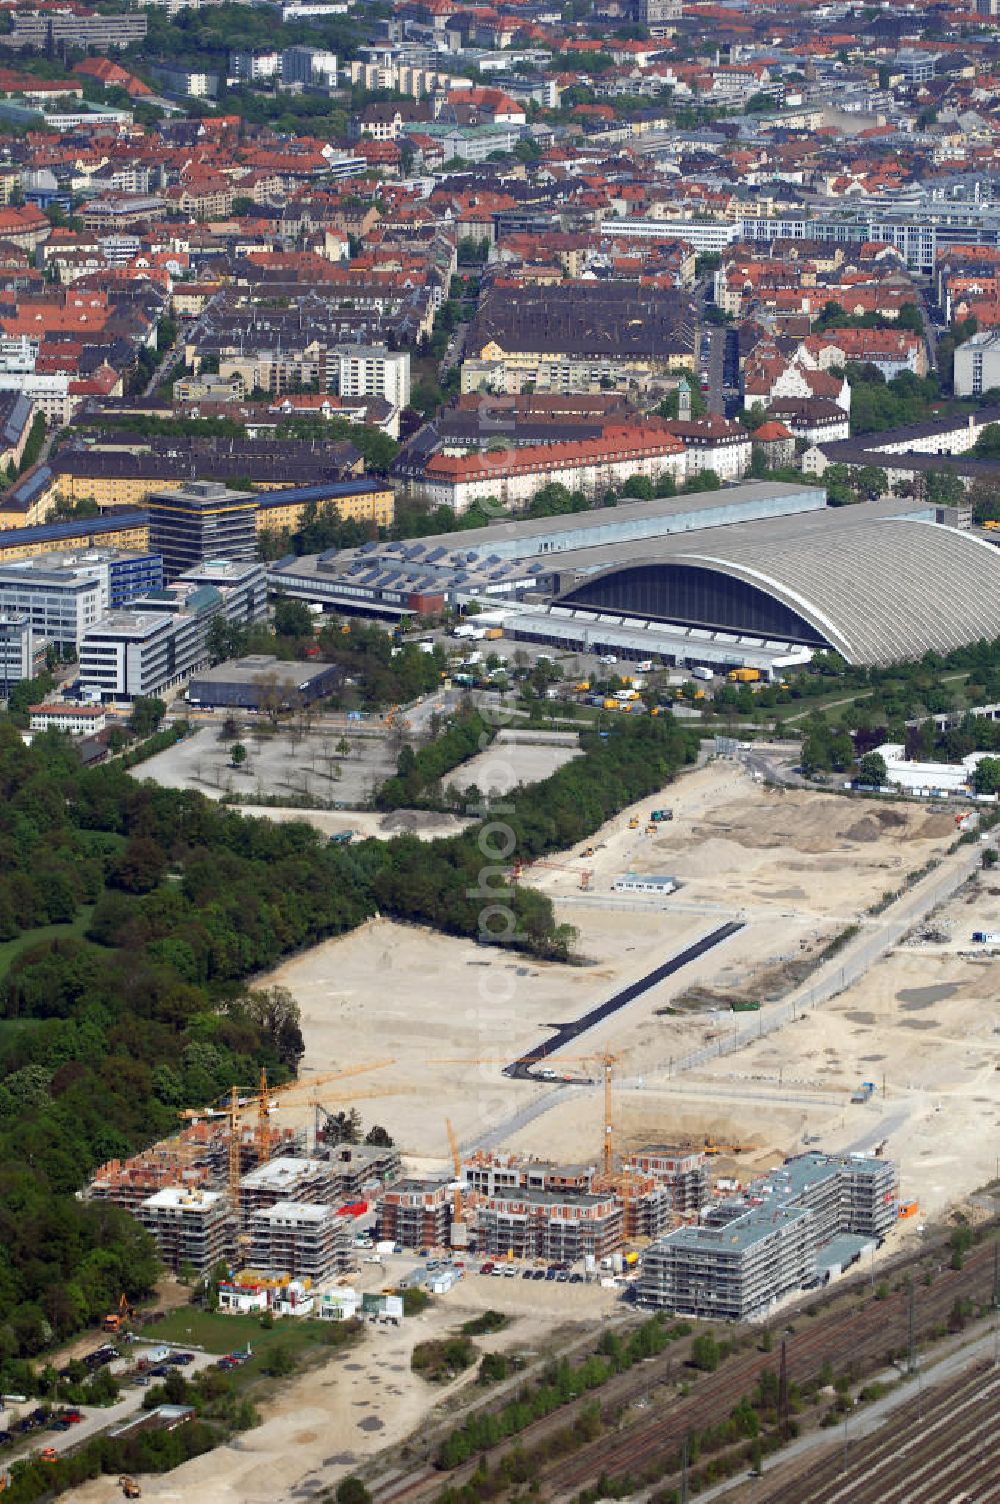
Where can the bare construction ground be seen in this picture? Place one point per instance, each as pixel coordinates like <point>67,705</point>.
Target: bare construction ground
<point>328,1421</point>
<point>797,867</point>
<point>288,762</point>
<point>506,764</point>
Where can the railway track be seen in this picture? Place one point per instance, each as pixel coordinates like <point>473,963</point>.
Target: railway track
<point>939,1446</point>
<point>855,1342</point>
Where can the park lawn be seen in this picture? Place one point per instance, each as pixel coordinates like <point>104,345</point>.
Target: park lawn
<point>217,1333</point>
<point>11,949</point>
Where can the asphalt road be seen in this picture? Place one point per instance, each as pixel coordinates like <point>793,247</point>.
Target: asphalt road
<point>854,959</point>
<point>716,396</point>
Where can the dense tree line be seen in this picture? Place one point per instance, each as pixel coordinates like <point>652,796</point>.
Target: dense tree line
<point>562,1383</point>
<point>452,884</point>
<point>145,1452</point>
<point>419,773</point>
<point>104,1035</point>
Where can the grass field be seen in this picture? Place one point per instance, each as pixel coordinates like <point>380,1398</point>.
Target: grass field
<point>11,949</point>
<point>215,1333</point>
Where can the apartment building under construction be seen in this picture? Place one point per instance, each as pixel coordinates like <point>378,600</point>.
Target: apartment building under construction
<point>304,1239</point>
<point>805,1221</point>
<point>683,1172</point>
<point>416,1214</point>
<point>550,1224</point>
<point>285,1179</point>
<point>357,1168</point>
<point>195,1158</point>
<point>492,1181</point>
<point>193,1228</point>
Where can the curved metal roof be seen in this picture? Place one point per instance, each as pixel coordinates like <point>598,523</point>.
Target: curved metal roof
<point>880,589</point>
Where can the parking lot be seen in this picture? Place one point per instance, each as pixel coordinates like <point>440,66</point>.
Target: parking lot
<point>45,1428</point>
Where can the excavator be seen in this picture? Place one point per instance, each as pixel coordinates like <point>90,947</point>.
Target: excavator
<point>116,1321</point>
<point>129,1487</point>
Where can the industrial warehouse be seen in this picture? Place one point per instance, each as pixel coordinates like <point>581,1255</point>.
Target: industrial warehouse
<point>758,575</point>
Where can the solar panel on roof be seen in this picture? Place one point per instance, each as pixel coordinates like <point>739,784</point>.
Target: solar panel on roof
<point>435,554</point>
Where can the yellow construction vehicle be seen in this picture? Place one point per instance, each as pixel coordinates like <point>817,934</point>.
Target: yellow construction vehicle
<point>129,1487</point>
<point>115,1321</point>
<point>633,824</point>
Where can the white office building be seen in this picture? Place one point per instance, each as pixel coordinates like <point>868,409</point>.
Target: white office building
<point>16,650</point>
<point>373,371</point>
<point>161,639</point>
<point>59,603</point>
<point>49,393</point>
<point>977,364</point>
<point>309,66</point>
<point>253,67</point>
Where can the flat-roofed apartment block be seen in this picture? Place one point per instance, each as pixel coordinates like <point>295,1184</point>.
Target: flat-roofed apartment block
<point>682,1171</point>
<point>192,1227</point>
<point>550,1224</point>
<point>305,1239</point>
<point>869,1196</point>
<point>416,1214</point>
<point>285,1179</point>
<point>734,1271</point>
<point>748,1252</point>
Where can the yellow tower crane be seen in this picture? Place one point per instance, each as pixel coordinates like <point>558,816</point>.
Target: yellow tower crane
<point>607,1062</point>
<point>239,1102</point>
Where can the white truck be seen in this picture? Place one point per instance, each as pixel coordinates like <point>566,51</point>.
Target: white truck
<point>701,672</point>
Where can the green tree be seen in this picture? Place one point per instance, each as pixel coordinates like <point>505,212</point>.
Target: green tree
<point>872,770</point>
<point>147,713</point>
<point>237,754</point>
<point>986,776</point>
<point>292,619</point>
<point>351,1490</point>
<point>705,1352</point>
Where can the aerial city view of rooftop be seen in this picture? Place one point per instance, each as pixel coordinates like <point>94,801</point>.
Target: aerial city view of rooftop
<point>500,751</point>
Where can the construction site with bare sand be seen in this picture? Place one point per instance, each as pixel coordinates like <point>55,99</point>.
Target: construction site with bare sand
<point>802,871</point>
<point>820,941</point>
